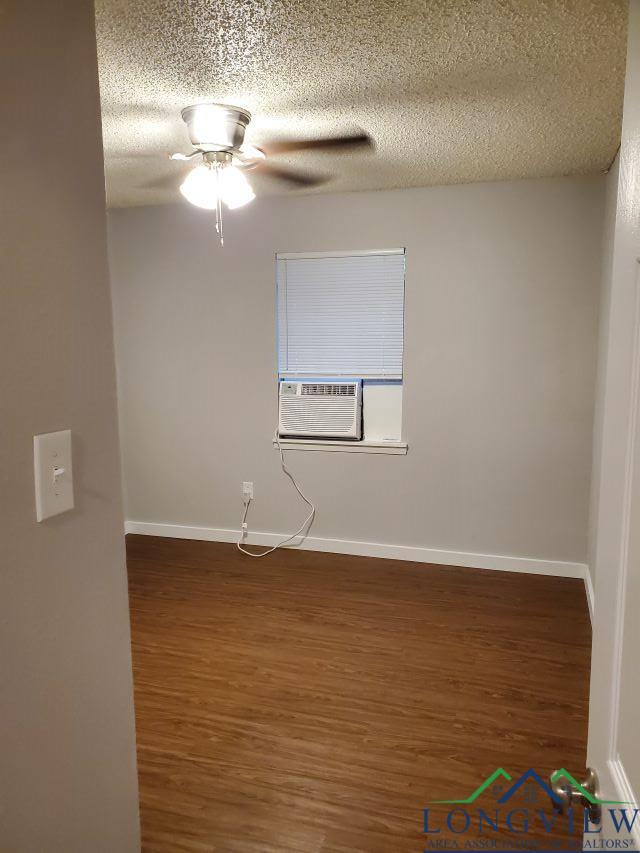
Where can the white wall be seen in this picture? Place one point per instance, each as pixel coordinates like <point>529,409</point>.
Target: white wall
<point>501,315</point>
<point>67,750</point>
<point>614,716</point>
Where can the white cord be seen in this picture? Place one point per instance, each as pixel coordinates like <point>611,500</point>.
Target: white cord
<point>302,530</point>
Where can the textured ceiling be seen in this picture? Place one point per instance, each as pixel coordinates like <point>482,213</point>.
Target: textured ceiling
<point>457,91</point>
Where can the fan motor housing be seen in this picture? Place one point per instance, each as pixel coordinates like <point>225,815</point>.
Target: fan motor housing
<point>216,127</point>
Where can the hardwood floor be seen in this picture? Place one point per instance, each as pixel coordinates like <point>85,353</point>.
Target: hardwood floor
<point>317,703</point>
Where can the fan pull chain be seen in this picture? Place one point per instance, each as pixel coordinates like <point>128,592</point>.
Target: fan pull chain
<point>219,224</point>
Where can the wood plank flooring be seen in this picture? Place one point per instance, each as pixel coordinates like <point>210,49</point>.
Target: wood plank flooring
<point>317,703</point>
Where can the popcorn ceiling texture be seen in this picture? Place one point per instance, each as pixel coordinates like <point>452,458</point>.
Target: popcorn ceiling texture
<point>452,91</point>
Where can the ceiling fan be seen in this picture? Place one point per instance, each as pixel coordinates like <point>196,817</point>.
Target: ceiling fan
<point>217,134</point>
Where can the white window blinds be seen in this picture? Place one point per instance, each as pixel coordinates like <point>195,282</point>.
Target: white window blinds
<point>341,315</point>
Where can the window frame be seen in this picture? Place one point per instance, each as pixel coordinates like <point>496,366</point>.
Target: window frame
<point>395,446</point>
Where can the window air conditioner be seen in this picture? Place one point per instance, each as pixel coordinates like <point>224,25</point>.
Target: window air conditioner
<point>321,409</point>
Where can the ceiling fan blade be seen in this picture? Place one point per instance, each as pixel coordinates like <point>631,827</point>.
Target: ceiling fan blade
<point>182,157</point>
<point>329,143</point>
<point>289,176</point>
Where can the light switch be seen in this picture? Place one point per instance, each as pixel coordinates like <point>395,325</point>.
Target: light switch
<point>53,473</point>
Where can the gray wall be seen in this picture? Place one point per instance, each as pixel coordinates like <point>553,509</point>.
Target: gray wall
<point>68,778</point>
<point>501,316</point>
<point>609,230</point>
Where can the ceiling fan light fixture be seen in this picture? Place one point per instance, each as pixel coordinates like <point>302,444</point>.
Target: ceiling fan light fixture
<point>217,135</point>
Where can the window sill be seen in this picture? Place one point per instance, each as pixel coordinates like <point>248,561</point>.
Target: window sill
<point>391,448</point>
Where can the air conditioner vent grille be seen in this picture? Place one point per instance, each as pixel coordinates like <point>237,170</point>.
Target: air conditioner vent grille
<point>320,408</point>
<point>326,389</point>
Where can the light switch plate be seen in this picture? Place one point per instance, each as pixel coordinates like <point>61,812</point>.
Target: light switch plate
<point>53,473</point>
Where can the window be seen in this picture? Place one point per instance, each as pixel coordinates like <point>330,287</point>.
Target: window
<point>341,316</point>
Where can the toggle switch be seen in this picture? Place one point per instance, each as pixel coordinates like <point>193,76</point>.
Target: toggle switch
<point>53,473</point>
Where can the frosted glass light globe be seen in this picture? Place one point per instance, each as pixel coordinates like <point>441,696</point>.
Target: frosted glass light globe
<point>200,187</point>
<point>236,189</point>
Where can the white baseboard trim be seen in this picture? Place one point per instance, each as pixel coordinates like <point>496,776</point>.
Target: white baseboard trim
<point>626,793</point>
<point>413,553</point>
<point>591,599</point>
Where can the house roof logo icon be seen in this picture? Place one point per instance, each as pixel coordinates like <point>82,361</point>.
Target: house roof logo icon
<point>529,776</point>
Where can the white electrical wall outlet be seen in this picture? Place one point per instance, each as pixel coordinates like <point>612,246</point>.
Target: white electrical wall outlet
<point>53,473</point>
<point>247,491</point>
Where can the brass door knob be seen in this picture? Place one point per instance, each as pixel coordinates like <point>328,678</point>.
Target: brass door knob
<point>568,792</point>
